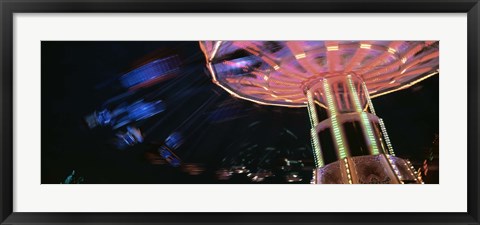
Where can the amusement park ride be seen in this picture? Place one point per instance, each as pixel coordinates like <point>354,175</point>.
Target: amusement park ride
<point>335,81</point>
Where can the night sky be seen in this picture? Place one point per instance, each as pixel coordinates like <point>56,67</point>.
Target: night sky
<point>78,77</point>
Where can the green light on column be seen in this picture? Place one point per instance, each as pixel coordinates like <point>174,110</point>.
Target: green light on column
<point>339,140</point>
<point>367,94</point>
<point>382,125</point>
<point>311,109</point>
<point>364,117</point>
<point>387,139</point>
<point>312,113</point>
<point>317,150</point>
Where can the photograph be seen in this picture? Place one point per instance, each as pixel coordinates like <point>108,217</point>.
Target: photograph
<point>240,112</point>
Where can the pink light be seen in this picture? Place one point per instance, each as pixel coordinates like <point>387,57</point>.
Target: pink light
<point>288,67</point>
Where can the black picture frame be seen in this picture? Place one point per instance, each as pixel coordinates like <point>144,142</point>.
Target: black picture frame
<point>9,7</point>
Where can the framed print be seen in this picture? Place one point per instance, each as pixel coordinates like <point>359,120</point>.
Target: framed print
<point>264,112</point>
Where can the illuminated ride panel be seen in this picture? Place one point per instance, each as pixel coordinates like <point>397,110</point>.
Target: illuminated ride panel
<point>335,80</point>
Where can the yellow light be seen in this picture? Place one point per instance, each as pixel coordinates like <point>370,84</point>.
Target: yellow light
<point>300,56</point>
<point>276,67</point>
<point>392,50</point>
<point>365,46</point>
<point>397,173</point>
<point>348,171</point>
<point>332,48</point>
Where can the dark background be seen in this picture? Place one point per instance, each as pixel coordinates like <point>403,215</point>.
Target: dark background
<point>77,79</point>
